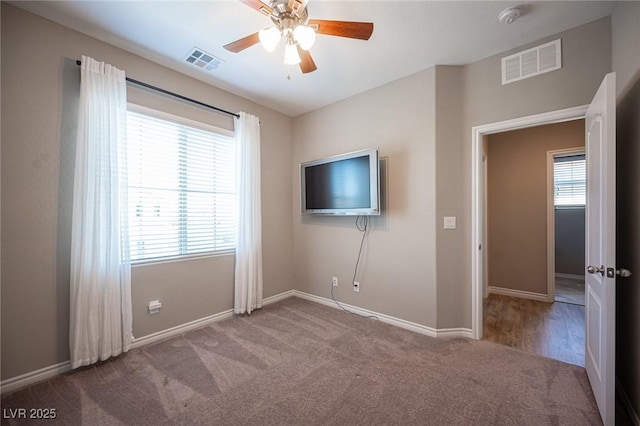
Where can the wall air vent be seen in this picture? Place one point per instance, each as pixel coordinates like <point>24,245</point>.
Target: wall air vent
<point>531,62</point>
<point>202,59</point>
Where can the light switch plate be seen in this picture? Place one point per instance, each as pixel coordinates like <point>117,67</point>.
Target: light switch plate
<point>449,222</point>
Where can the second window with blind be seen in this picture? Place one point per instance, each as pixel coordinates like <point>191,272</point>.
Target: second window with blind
<point>182,189</point>
<point>570,181</point>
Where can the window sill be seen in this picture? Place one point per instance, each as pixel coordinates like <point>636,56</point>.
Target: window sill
<point>137,263</point>
<point>582,207</point>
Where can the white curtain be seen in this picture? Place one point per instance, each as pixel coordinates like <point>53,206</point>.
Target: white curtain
<point>248,271</point>
<point>100,323</point>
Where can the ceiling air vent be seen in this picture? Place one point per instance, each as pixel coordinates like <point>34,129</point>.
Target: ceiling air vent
<point>202,59</point>
<point>531,62</point>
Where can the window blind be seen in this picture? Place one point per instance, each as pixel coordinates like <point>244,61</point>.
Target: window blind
<point>570,181</point>
<point>182,190</point>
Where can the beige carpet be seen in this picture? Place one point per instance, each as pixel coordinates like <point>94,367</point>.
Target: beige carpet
<point>301,363</point>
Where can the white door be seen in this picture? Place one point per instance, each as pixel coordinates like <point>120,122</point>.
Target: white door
<point>600,247</point>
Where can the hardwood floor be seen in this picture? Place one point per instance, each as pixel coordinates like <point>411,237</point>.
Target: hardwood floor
<point>570,290</point>
<point>554,330</point>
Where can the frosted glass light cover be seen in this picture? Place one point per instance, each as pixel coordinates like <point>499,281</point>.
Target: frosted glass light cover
<point>269,38</point>
<point>305,36</point>
<point>291,56</point>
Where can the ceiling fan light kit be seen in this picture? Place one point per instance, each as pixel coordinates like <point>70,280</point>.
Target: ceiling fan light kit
<point>291,20</point>
<point>303,35</point>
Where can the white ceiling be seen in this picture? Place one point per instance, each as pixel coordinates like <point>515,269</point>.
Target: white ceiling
<point>408,36</point>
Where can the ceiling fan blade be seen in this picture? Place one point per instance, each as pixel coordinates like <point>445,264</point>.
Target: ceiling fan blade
<point>306,62</point>
<point>359,30</point>
<point>243,43</point>
<point>259,6</point>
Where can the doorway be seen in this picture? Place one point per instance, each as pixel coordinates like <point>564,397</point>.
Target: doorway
<point>477,227</point>
<point>519,242</point>
<point>519,245</point>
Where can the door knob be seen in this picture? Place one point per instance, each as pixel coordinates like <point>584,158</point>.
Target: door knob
<point>624,273</point>
<point>595,270</point>
<point>611,273</point>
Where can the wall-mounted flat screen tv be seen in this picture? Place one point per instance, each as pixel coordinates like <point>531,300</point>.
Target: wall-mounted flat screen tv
<point>347,184</point>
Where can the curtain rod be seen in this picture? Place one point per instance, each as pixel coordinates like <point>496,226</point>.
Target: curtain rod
<point>175,95</point>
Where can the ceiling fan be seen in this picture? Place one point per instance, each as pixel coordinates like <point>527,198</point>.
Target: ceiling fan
<point>291,20</point>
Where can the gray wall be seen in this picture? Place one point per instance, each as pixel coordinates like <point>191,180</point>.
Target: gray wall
<point>40,85</point>
<point>586,55</point>
<point>570,236</point>
<point>453,304</point>
<point>464,97</point>
<point>398,267</point>
<point>517,202</point>
<point>626,64</point>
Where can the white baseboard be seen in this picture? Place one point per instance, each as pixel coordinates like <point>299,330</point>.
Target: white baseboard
<point>398,322</point>
<point>633,415</point>
<point>278,297</point>
<point>569,276</point>
<point>180,329</point>
<point>199,323</point>
<point>49,372</point>
<point>454,332</point>
<point>540,297</point>
<point>34,377</point>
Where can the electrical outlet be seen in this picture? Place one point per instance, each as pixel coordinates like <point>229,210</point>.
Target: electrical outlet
<point>334,281</point>
<point>154,306</point>
<point>356,286</point>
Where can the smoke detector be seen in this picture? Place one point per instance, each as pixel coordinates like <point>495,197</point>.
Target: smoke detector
<point>509,15</point>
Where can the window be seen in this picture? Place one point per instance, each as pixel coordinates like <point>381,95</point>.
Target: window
<point>182,191</point>
<point>570,181</point>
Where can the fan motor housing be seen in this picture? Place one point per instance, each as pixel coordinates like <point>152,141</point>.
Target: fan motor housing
<point>286,18</point>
